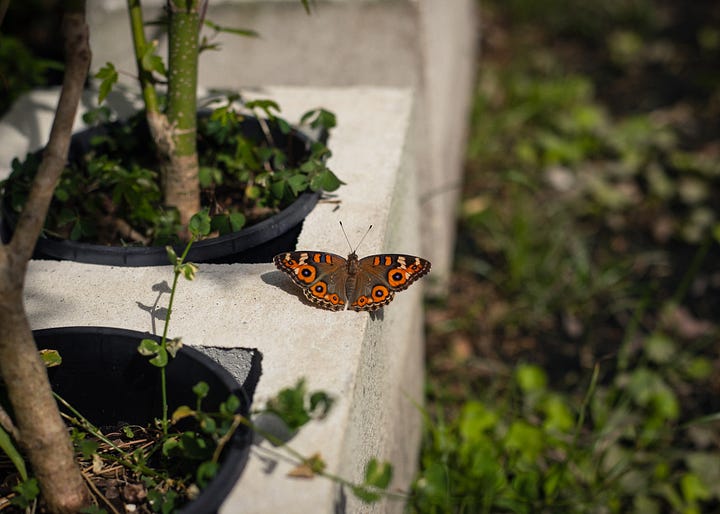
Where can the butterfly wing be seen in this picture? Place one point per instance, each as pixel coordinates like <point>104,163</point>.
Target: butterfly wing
<point>321,276</point>
<point>380,276</point>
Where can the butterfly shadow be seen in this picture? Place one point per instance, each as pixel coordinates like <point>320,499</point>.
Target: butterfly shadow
<point>280,280</point>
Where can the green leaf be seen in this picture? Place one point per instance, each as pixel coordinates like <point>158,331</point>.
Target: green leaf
<point>169,445</point>
<point>264,105</point>
<point>297,183</point>
<point>27,490</point>
<point>558,415</point>
<point>148,347</point>
<point>200,224</point>
<point>237,220</point>
<point>61,194</point>
<point>283,125</point>
<point>201,389</point>
<point>228,223</point>
<point>50,358</point>
<point>289,405</point>
<point>530,378</point>
<point>277,189</point>
<point>181,412</point>
<point>320,404</point>
<point>319,118</point>
<point>188,270</point>
<point>693,489</point>
<point>161,359</point>
<point>231,405</point>
<point>76,232</point>
<point>108,76</point>
<point>326,180</point>
<point>206,472</point>
<point>88,447</point>
<point>253,192</point>
<point>378,474</point>
<point>476,418</point>
<point>194,446</point>
<point>698,368</point>
<point>365,494</point>
<point>525,439</point>
<point>172,256</point>
<point>660,349</point>
<point>208,425</point>
<point>150,61</point>
<point>208,175</point>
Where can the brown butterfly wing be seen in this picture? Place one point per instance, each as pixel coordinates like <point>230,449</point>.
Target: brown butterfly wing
<point>380,276</point>
<point>322,276</point>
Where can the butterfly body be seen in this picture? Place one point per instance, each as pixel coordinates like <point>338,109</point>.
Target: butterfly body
<point>335,283</point>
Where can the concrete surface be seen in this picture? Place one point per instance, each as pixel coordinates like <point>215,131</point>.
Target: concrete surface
<point>426,45</point>
<point>371,364</point>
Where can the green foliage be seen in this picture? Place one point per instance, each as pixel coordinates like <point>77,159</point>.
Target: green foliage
<point>108,76</point>
<point>319,119</point>
<point>378,476</point>
<point>296,406</point>
<point>27,492</point>
<point>244,178</point>
<point>587,241</point>
<point>538,450</point>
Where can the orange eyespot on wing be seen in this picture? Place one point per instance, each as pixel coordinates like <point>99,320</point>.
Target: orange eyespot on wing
<point>379,296</point>
<point>305,273</point>
<point>321,298</point>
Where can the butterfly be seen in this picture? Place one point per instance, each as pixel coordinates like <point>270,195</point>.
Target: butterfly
<point>332,282</point>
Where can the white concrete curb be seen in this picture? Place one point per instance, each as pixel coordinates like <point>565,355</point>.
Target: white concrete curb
<point>372,365</point>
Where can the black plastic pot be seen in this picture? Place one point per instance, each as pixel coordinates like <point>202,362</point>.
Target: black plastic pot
<point>257,243</point>
<point>104,377</point>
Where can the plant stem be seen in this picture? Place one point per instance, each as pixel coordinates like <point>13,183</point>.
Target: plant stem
<point>85,424</point>
<point>163,341</point>
<point>147,82</point>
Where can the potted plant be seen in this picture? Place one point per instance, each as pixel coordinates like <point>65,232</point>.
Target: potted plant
<point>32,418</point>
<point>131,188</point>
<point>177,438</point>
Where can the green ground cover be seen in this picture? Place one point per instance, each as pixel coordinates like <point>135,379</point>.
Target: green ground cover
<point>574,368</point>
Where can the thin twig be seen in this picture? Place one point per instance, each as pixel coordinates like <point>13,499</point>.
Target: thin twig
<point>98,494</point>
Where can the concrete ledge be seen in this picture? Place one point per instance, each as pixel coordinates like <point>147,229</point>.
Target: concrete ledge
<point>373,365</point>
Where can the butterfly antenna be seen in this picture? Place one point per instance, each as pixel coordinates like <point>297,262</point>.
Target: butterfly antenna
<point>348,240</point>
<point>346,237</point>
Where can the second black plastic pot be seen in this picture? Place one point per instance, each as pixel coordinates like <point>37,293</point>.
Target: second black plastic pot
<point>104,377</point>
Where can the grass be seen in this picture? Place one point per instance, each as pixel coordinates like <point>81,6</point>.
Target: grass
<point>574,367</point>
